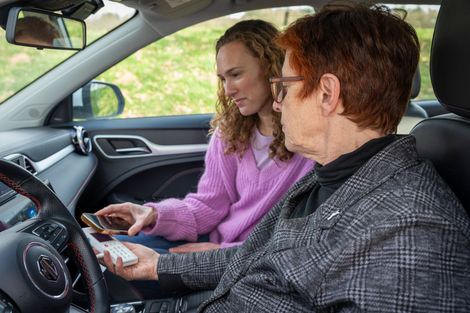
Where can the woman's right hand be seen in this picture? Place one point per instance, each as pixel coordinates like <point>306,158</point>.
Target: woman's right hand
<point>137,215</point>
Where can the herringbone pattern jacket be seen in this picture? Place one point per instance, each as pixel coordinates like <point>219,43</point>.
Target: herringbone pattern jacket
<point>393,238</point>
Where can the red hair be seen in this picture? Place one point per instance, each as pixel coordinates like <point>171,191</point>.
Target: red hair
<point>373,53</point>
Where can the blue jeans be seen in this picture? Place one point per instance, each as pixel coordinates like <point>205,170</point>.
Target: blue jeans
<point>157,243</point>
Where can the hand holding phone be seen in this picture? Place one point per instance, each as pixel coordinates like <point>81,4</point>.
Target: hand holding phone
<point>101,242</point>
<point>138,215</point>
<point>106,223</point>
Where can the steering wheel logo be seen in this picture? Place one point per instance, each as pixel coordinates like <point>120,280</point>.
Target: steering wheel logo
<point>47,268</point>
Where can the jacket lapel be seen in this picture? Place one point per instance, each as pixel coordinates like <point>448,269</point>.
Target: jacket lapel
<point>396,157</point>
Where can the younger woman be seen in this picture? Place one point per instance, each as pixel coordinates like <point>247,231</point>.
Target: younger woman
<point>247,167</point>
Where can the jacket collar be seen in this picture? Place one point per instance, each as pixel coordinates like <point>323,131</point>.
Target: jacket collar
<point>396,157</point>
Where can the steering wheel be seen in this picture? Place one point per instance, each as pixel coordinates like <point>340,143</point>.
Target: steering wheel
<point>34,275</point>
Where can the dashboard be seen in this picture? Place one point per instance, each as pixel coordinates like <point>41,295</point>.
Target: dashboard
<point>58,157</point>
<point>14,208</point>
<point>5,193</point>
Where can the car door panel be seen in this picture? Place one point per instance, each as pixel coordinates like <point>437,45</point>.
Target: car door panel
<point>145,159</point>
<point>131,146</point>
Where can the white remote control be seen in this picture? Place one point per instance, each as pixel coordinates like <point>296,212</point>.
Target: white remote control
<point>101,242</point>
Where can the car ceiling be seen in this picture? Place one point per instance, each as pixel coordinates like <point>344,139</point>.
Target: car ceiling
<point>167,16</point>
<point>174,9</point>
<point>222,7</point>
<point>166,20</point>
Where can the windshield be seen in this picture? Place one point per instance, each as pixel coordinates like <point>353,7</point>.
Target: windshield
<point>20,66</point>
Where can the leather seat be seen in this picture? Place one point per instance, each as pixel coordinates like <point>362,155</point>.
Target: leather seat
<point>414,113</point>
<point>445,139</point>
<point>413,109</point>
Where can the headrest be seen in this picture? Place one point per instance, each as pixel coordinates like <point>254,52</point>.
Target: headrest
<point>450,56</point>
<point>416,85</point>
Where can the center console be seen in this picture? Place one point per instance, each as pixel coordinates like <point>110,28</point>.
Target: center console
<point>183,304</point>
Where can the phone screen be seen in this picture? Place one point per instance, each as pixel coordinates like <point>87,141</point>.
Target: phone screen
<point>101,237</point>
<point>108,222</point>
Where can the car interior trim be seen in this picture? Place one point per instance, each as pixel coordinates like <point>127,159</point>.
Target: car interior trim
<point>153,149</point>
<point>54,158</point>
<point>23,161</point>
<point>44,164</point>
<point>71,205</point>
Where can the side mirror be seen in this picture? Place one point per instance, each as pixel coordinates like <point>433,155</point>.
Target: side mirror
<point>44,29</point>
<point>97,100</point>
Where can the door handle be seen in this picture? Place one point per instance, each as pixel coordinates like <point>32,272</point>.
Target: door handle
<point>129,146</point>
<point>135,150</point>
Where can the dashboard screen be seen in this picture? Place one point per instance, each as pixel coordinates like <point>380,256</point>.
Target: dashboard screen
<point>14,208</point>
<point>5,193</point>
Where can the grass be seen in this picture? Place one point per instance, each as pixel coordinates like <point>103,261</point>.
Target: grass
<point>175,75</point>
<point>19,66</point>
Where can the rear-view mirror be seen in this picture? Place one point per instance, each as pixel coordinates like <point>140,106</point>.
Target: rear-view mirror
<point>44,29</point>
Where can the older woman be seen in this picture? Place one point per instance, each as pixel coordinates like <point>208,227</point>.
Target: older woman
<point>373,228</point>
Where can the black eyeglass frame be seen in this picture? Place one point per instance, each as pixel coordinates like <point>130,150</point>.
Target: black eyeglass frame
<point>277,86</point>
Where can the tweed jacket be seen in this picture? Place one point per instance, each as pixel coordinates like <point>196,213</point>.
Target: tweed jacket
<point>392,238</point>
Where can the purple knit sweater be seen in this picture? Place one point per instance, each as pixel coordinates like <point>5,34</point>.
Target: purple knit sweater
<point>232,196</point>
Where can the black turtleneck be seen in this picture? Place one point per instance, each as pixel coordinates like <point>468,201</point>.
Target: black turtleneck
<point>331,176</point>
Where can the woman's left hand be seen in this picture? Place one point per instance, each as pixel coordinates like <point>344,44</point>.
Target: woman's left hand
<point>145,269</point>
<point>195,247</point>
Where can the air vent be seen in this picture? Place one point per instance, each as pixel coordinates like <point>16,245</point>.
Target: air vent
<point>23,161</point>
<point>81,140</point>
<point>28,165</point>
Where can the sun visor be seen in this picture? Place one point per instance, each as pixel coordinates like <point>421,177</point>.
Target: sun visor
<point>176,8</point>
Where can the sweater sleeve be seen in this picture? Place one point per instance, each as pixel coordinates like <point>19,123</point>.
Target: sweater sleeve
<point>231,244</point>
<point>198,213</point>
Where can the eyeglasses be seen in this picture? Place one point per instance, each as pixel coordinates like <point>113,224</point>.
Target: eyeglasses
<point>278,89</point>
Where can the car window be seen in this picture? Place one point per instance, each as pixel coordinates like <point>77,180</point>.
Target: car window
<point>20,66</point>
<point>423,18</point>
<point>176,74</point>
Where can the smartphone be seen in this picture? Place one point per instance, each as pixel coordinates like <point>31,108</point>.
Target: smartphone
<point>107,224</point>
<point>101,242</point>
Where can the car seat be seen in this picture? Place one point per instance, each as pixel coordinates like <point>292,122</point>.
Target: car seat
<point>414,113</point>
<point>413,109</point>
<point>445,139</point>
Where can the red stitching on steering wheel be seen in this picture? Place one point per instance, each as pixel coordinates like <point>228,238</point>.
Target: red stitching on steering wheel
<point>13,185</point>
<point>85,275</point>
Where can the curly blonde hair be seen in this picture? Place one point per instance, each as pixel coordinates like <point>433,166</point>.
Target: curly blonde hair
<point>234,128</point>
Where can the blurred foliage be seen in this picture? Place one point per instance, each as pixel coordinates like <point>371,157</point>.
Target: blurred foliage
<point>20,66</point>
<point>175,75</point>
<point>425,38</point>
<point>421,18</point>
<point>103,100</point>
<point>75,32</point>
